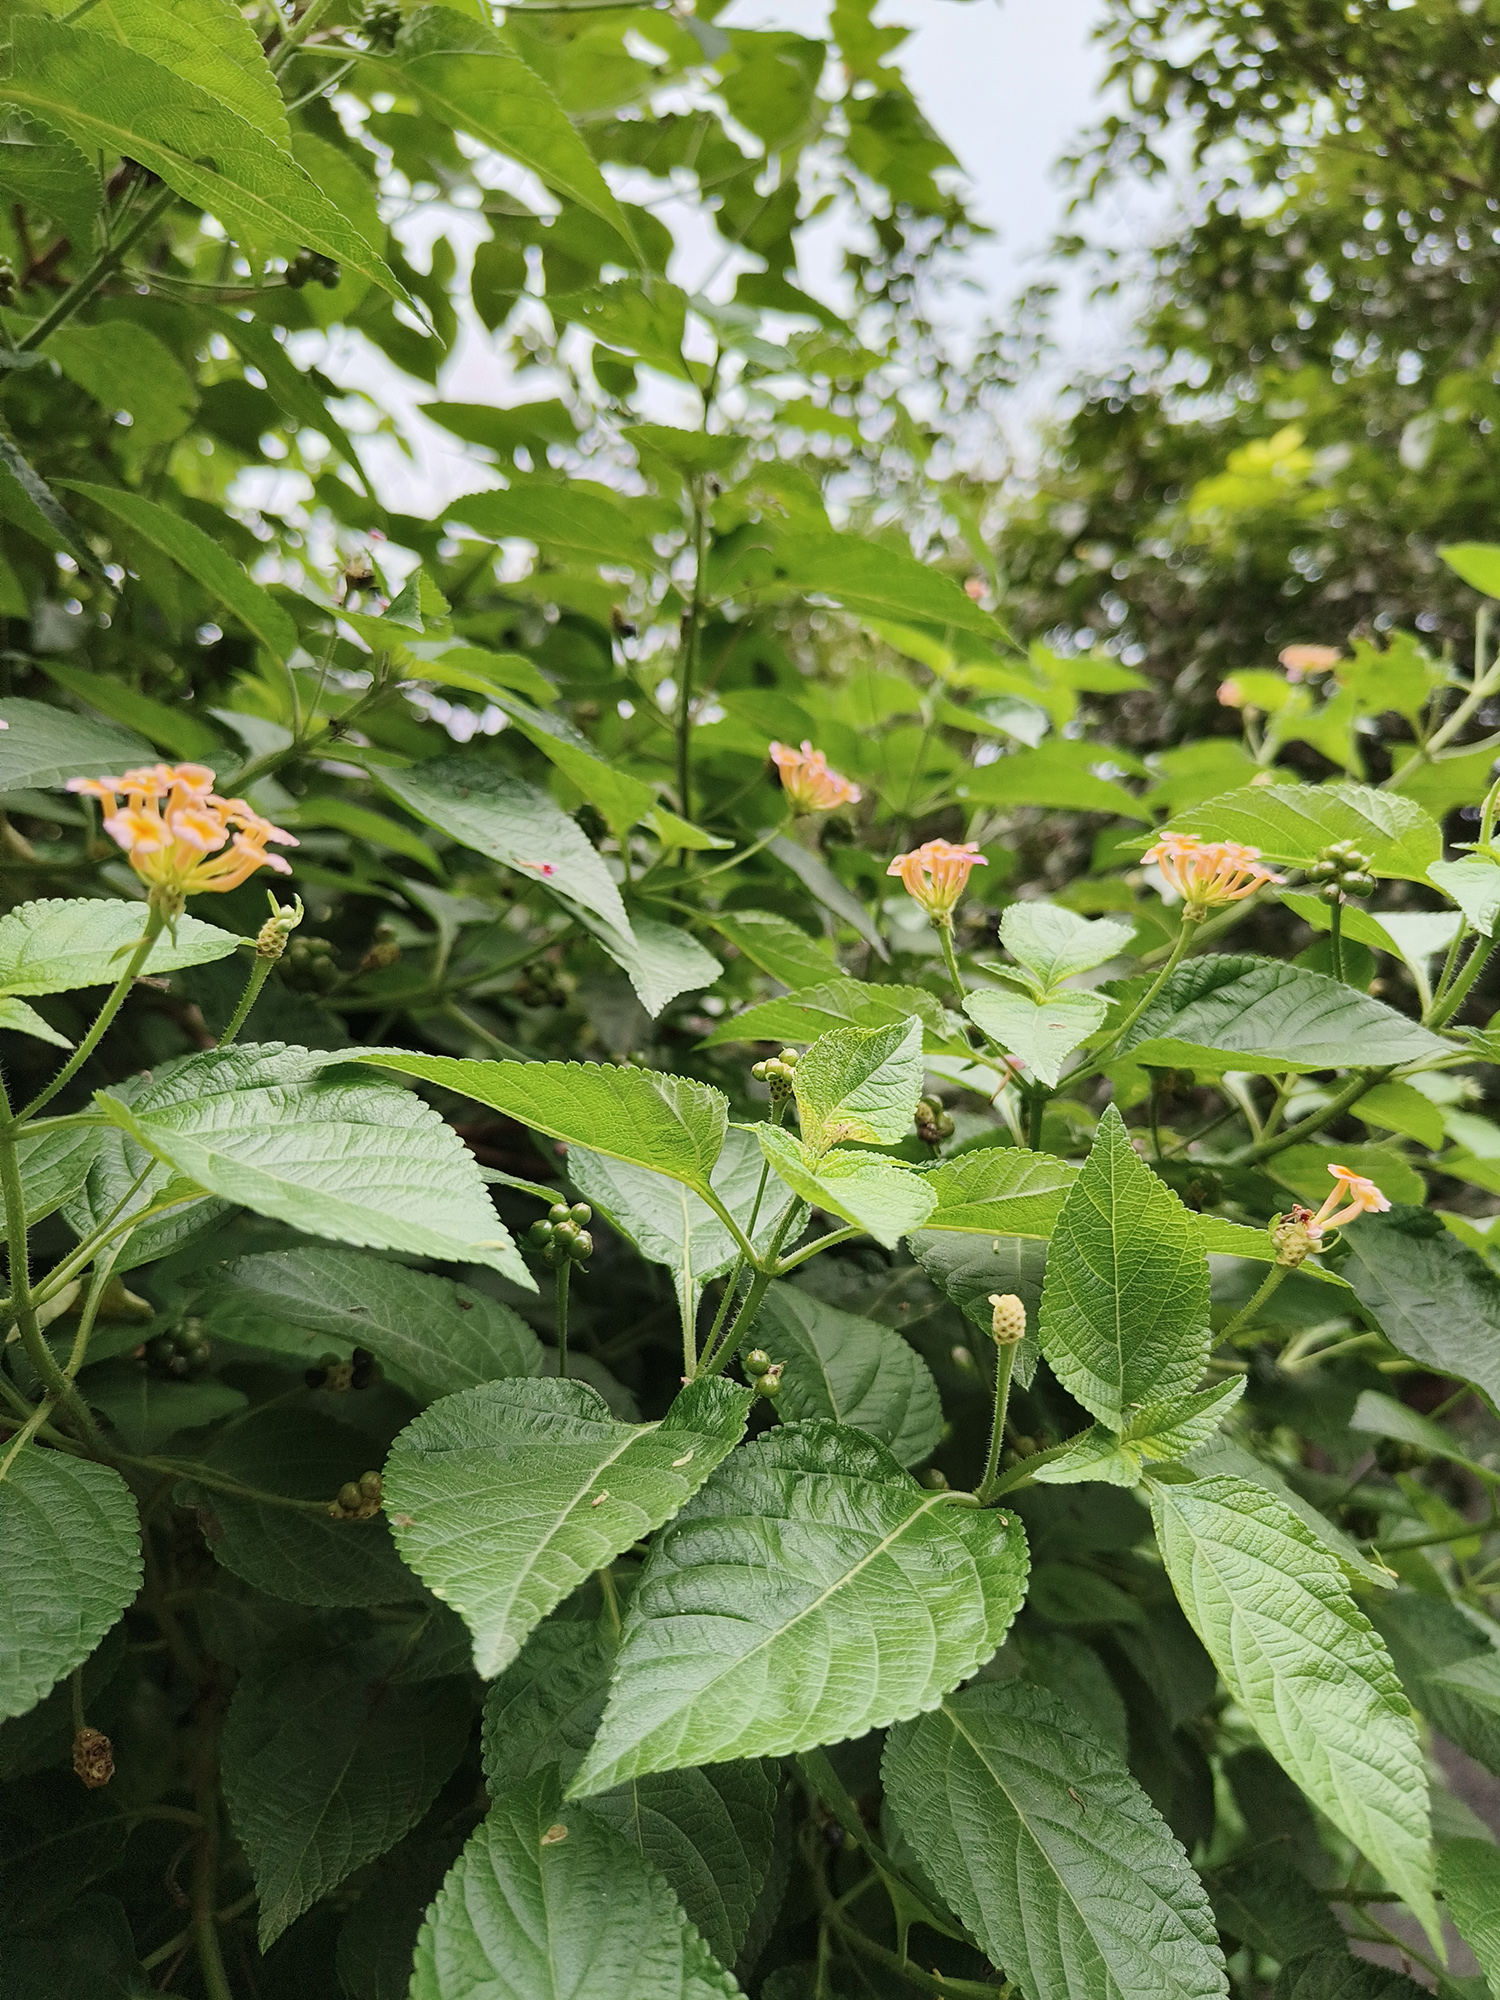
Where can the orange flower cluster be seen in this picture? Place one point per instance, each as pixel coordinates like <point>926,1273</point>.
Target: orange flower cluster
<point>1208,873</point>
<point>179,835</point>
<point>809,785</point>
<point>937,873</point>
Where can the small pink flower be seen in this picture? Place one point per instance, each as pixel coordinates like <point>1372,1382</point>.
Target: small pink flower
<point>807,781</point>
<point>937,873</point>
<point>1208,873</point>
<point>1301,660</point>
<point>1360,1196</point>
<point>1231,695</point>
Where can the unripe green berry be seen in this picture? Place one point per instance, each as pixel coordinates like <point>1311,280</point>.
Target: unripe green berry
<point>539,1234</point>
<point>581,1213</point>
<point>349,1496</point>
<point>1332,892</point>
<point>582,1247</point>
<point>757,1361</point>
<point>558,1212</point>
<point>369,1485</point>
<point>769,1384</point>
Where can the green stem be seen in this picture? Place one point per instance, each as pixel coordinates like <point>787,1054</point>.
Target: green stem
<point>1473,966</point>
<point>944,926</point>
<point>260,972</point>
<point>1005,1361</point>
<point>745,853</point>
<point>564,1272</point>
<point>1445,977</point>
<point>690,638</point>
<point>1336,938</point>
<point>303,26</point>
<point>1174,959</point>
<point>79,293</point>
<point>1037,1098</point>
<point>154,924</point>
<point>206,1854</point>
<point>1483,683</point>
<point>828,1242</point>
<point>1436,1540</point>
<point>1351,1093</point>
<point>1247,1313</point>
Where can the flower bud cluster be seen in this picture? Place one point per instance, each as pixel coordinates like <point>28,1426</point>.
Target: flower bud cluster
<point>1341,870</point>
<point>360,1371</point>
<point>776,1071</point>
<point>310,965</point>
<point>93,1757</point>
<point>357,1499</point>
<point>765,1374</point>
<point>1007,1319</point>
<point>1292,1237</point>
<point>933,1122</point>
<point>563,1237</point>
<point>271,938</point>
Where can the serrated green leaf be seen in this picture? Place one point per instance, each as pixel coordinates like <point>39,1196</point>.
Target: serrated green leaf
<point>122,1179</point>
<point>566,520</point>
<point>810,1592</point>
<point>1263,1899</point>
<point>144,1411</point>
<point>860,1083</point>
<point>506,1497</point>
<point>1054,944</point>
<point>327,1761</point>
<point>1049,1851</point>
<point>1159,1432</point>
<point>24,1020</point>
<point>1258,1014</point>
<point>660,960</point>
<point>873,1193</point>
<point>207,41</point>
<point>301,1557</point>
<point>622,799</point>
<point>55,947</point>
<point>110,99</point>
<point>871,580</point>
<point>483,805</point>
<point>1435,1300</point>
<point>1124,1317</point>
<point>810,1011</point>
<point>283,1132</point>
<point>1097,1458</point>
<point>670,1124</point>
<point>969,1268</point>
<point>543,1709</point>
<point>1468,1873</point>
<point>1000,1191</point>
<point>54,1162</point>
<point>850,1369</point>
<point>70,1562</point>
<point>42,747</point>
<point>1336,1975</point>
<point>185,544</point>
<point>547,1900</point>
<point>1042,1034</point>
<point>1272,1606</point>
<point>1222,1457</point>
<point>1294,823</point>
<point>1430,1640</point>
<point>45,171</point>
<point>777,947</point>
<point>432,1337</point>
<point>1474,884</point>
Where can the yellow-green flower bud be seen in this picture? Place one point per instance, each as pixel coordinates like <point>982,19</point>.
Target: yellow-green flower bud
<point>1007,1319</point>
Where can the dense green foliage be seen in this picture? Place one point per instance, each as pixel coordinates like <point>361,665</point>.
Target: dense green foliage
<point>686,1372</point>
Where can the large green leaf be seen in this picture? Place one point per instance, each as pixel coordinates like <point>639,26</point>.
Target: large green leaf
<point>810,1592</point>
<point>505,1498</point>
<point>1293,823</point>
<point>582,524</point>
<point>172,727</point>
<point>872,580</point>
<point>1433,1298</point>
<point>670,1124</point>
<point>1274,1610</point>
<point>875,1194</point>
<point>1053,943</point>
<point>811,1011</point>
<point>860,1083</point>
<point>1041,1034</point>
<point>1162,1431</point>
<point>24,1020</point>
<point>543,1709</point>
<point>1261,1015</point>
<point>109,99</point>
<point>1468,1874</point>
<point>125,367</point>
<point>660,960</point>
<point>327,1761</point>
<point>185,544</point>
<point>466,75</point>
<point>124,1180</point>
<point>1220,1457</point>
<point>851,1369</point>
<point>622,799</point>
<point>325,1149</point>
<point>970,1268</point>
<point>780,948</point>
<point>431,1337</point>
<point>1125,1303</point>
<point>485,806</point>
<point>70,1562</point>
<point>1336,1975</point>
<point>55,1162</point>
<point>207,41</point>
<point>44,171</point>
<point>42,747</point>
<point>546,1902</point>
<point>54,947</point>
<point>1049,1850</point>
<point>999,1191</point>
<point>1059,773</point>
<point>1448,1667</point>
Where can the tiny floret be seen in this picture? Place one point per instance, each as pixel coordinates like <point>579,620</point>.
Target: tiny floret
<point>937,873</point>
<point>1301,660</point>
<point>810,786</point>
<point>1359,1196</point>
<point>179,836</point>
<point>1206,874</point>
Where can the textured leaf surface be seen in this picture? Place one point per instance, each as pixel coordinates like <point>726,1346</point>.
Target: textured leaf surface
<point>1294,823</point>
<point>1272,1607</point>
<point>850,1369</point>
<point>1054,944</point>
<point>860,1083</point>
<point>1474,884</point>
<point>1000,1191</point>
<point>327,1761</point>
<point>335,1155</point>
<point>1125,1303</point>
<point>1266,1017</point>
<point>968,1268</point>
<point>1433,1298</point>
<point>43,747</point>
<point>70,1562</point>
<point>1040,1033</point>
<point>810,1592</point>
<point>877,582</point>
<point>1049,1850</point>
<point>810,1011</point>
<point>432,1337</point>
<point>874,1194</point>
<point>660,960</point>
<point>1222,1458</point>
<point>667,1123</point>
<point>1335,1975</point>
<point>55,1163</point>
<point>207,41</point>
<point>529,1912</point>
<point>1159,1431</point>
<point>53,947</point>
<point>505,1498</point>
<point>110,99</point>
<point>1468,1874</point>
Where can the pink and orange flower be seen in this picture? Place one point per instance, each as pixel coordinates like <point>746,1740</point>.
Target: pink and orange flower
<point>1206,874</point>
<point>1359,1196</point>
<point>1301,660</point>
<point>810,786</point>
<point>179,836</point>
<point>937,873</point>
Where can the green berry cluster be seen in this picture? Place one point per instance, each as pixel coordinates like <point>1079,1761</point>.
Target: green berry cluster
<point>541,985</point>
<point>765,1374</point>
<point>358,1499</point>
<point>179,1356</point>
<point>777,1071</point>
<point>563,1238</point>
<point>310,965</point>
<point>1341,870</point>
<point>934,1123</point>
<point>381,23</point>
<point>311,267</point>
<point>360,1371</point>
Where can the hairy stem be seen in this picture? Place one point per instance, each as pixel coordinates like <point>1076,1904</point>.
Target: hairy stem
<point>154,925</point>
<point>1246,1315</point>
<point>1005,1362</point>
<point>692,629</point>
<point>564,1272</point>
<point>260,972</point>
